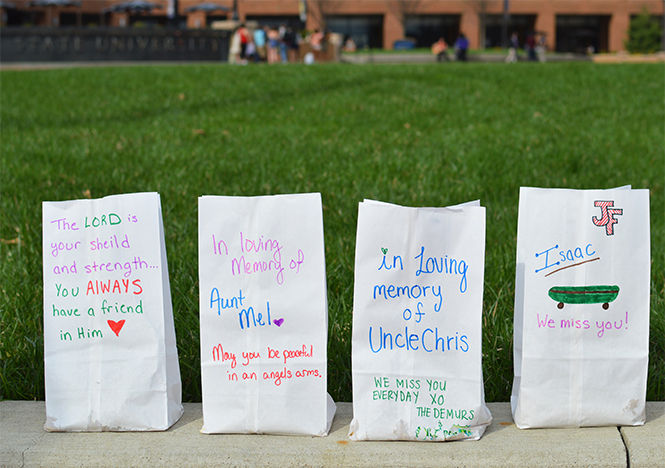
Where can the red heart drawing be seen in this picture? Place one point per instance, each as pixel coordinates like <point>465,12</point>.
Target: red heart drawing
<point>116,326</point>
<point>278,322</point>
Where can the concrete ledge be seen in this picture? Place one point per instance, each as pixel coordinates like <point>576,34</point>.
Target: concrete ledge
<point>23,442</point>
<point>361,58</point>
<point>658,57</point>
<point>646,444</point>
<point>26,66</point>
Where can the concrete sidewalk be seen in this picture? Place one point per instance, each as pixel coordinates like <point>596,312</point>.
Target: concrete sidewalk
<point>23,442</point>
<point>361,58</point>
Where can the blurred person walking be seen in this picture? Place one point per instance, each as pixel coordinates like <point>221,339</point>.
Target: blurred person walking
<point>234,49</point>
<point>461,47</point>
<point>260,43</point>
<point>292,46</point>
<point>316,42</point>
<point>531,47</point>
<point>283,50</point>
<point>244,40</point>
<point>349,44</point>
<point>513,48</point>
<point>541,48</point>
<point>440,49</point>
<point>273,45</point>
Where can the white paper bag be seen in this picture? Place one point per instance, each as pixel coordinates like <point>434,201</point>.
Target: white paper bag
<point>416,348</point>
<point>110,356</point>
<point>581,337</point>
<point>264,315</point>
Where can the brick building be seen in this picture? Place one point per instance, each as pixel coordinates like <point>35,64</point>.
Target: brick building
<point>568,25</point>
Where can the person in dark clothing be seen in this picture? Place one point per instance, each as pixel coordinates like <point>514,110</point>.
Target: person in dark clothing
<point>243,32</point>
<point>531,47</point>
<point>291,41</point>
<point>513,49</point>
<point>461,47</point>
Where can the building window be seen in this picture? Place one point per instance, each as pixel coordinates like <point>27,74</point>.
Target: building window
<point>83,19</point>
<point>148,21</point>
<point>275,21</point>
<point>427,29</point>
<point>582,33</point>
<point>365,30</point>
<point>523,25</point>
<point>19,18</point>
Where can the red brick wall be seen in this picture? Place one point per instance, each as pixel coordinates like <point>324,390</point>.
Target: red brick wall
<point>394,10</point>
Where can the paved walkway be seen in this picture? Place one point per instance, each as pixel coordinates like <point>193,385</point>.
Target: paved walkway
<point>426,57</point>
<point>23,442</point>
<point>355,58</point>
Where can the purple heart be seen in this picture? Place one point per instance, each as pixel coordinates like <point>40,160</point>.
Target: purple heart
<point>278,322</point>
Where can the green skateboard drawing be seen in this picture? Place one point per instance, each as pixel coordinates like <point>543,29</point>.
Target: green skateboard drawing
<point>584,295</point>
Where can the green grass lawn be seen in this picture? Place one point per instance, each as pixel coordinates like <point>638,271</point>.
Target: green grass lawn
<point>423,135</point>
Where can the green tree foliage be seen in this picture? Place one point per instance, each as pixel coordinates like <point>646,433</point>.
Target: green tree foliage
<point>644,34</point>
